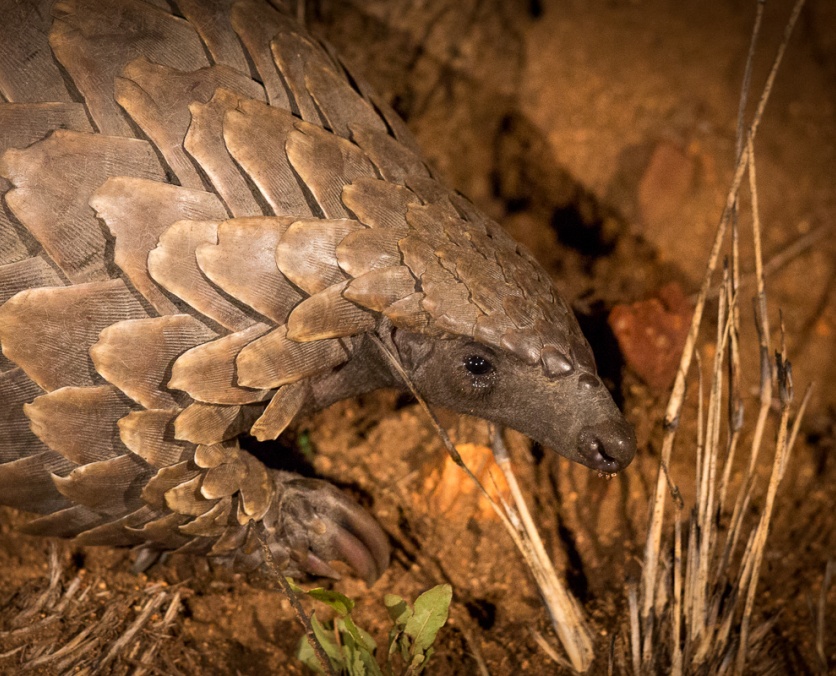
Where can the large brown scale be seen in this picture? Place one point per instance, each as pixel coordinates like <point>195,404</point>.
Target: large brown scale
<point>210,228</point>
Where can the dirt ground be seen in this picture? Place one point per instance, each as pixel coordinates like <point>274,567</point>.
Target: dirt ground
<point>602,135</point>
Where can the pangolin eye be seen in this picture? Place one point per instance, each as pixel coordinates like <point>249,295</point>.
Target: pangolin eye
<point>478,366</point>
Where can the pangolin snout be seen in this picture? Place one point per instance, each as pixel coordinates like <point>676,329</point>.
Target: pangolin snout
<point>607,446</point>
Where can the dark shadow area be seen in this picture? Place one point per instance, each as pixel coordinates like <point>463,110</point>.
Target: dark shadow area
<point>608,357</point>
<point>537,452</point>
<point>525,177</point>
<point>483,611</point>
<point>78,559</point>
<point>575,574</point>
<point>404,399</point>
<point>290,453</point>
<point>285,453</point>
<point>587,238</point>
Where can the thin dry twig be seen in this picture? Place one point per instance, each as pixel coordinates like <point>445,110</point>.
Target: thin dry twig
<point>48,594</point>
<point>571,618</point>
<point>676,635</point>
<point>747,76</point>
<point>635,629</point>
<point>796,426</point>
<point>161,630</point>
<point>794,249</point>
<point>64,650</point>
<point>79,638</point>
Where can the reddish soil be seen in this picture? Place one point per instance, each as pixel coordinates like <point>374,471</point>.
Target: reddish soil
<point>602,135</point>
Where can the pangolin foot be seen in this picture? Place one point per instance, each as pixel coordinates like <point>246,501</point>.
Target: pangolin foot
<point>317,523</point>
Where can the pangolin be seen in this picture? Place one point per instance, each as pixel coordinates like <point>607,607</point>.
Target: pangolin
<point>210,228</point>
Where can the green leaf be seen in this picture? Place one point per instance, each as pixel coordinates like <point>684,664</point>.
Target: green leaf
<point>328,642</point>
<point>427,656</point>
<point>362,637</point>
<point>367,639</point>
<point>295,587</point>
<point>339,602</point>
<point>405,644</point>
<point>353,654</point>
<point>371,664</point>
<point>355,664</point>
<point>306,446</point>
<point>431,609</point>
<point>359,647</point>
<point>306,655</point>
<point>398,609</point>
<point>394,635</point>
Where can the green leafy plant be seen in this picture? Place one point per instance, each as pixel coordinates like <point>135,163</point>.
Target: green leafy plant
<point>352,650</point>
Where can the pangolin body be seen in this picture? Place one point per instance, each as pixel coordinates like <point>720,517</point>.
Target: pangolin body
<point>206,222</point>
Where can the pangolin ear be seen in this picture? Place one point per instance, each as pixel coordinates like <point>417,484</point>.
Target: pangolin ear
<point>413,348</point>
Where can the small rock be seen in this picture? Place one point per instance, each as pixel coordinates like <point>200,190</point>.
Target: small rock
<point>651,334</point>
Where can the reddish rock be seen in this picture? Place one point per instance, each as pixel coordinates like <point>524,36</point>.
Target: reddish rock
<point>651,334</point>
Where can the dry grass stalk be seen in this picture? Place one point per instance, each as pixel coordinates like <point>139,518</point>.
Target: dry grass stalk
<point>80,627</point>
<point>735,401</point>
<point>704,623</point>
<point>118,646</point>
<point>635,630</point>
<point>547,648</point>
<point>566,613</point>
<point>676,644</point>
<point>160,629</point>
<point>475,651</point>
<point>752,565</point>
<point>675,402</point>
<point>710,626</point>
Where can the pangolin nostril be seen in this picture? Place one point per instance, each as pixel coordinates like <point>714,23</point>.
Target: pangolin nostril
<point>608,446</point>
<point>604,454</point>
<point>597,449</point>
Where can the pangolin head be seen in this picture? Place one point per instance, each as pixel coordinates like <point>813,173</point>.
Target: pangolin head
<point>477,322</point>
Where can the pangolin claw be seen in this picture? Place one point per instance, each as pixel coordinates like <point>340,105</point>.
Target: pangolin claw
<point>324,525</point>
